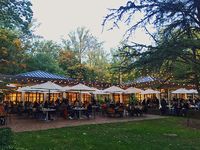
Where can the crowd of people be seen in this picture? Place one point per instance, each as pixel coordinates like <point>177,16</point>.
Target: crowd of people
<point>70,110</point>
<point>64,108</point>
<point>178,106</point>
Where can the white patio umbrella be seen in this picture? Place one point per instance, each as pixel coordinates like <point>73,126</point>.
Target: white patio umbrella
<point>181,91</point>
<point>66,88</point>
<point>29,89</point>
<point>94,88</point>
<point>23,89</point>
<point>131,90</point>
<point>81,88</point>
<point>193,91</point>
<point>100,92</point>
<point>11,85</point>
<point>49,87</point>
<point>150,91</point>
<point>114,89</point>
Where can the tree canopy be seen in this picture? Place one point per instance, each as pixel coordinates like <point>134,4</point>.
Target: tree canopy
<point>176,41</point>
<point>16,14</point>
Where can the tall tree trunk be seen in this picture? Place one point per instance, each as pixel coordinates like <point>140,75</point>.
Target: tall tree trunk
<point>120,77</point>
<point>80,57</point>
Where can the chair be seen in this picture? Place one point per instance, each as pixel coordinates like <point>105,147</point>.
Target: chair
<point>3,118</point>
<point>111,112</point>
<point>119,111</point>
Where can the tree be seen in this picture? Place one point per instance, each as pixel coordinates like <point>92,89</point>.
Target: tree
<point>179,23</point>
<point>43,55</point>
<point>118,70</point>
<point>67,59</point>
<point>11,52</point>
<point>95,54</point>
<point>16,14</point>
<point>81,41</point>
<point>170,15</point>
<point>44,46</point>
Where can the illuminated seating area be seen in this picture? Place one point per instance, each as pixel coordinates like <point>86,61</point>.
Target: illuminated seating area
<point>42,95</point>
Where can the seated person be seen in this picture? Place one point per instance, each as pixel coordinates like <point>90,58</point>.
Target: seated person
<point>138,109</point>
<point>103,108</point>
<point>89,110</point>
<point>70,111</point>
<point>119,110</point>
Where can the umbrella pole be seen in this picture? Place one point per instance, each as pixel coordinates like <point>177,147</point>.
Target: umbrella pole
<point>80,98</point>
<point>49,96</point>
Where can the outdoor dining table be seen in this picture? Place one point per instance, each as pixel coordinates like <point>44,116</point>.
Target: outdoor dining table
<point>46,111</point>
<point>195,107</point>
<point>79,109</point>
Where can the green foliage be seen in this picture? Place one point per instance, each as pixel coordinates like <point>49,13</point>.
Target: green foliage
<point>45,62</point>
<point>16,14</point>
<point>117,69</point>
<point>83,56</point>
<point>67,59</point>
<point>6,139</point>
<point>12,52</point>
<point>133,99</point>
<point>82,42</point>
<point>176,39</point>
<point>43,55</point>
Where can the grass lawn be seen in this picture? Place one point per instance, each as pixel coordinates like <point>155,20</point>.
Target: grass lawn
<point>162,134</point>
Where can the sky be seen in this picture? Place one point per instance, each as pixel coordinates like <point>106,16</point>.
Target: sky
<point>58,17</point>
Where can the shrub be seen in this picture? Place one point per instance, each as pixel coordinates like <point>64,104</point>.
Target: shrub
<point>6,139</point>
<point>101,101</point>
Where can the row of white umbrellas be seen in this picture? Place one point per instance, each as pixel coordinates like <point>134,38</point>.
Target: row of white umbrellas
<point>50,87</point>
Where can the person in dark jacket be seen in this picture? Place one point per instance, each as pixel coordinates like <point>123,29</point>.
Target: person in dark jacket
<point>163,107</point>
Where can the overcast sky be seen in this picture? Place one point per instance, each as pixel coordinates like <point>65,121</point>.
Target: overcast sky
<point>59,17</point>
